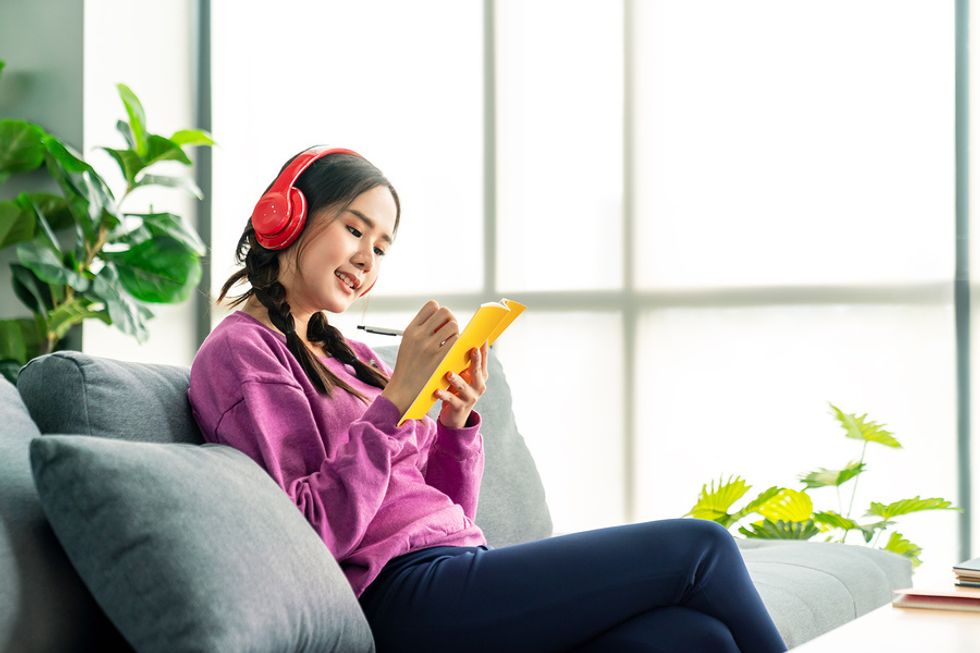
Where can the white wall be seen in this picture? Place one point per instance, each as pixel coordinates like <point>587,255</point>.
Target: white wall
<point>150,48</point>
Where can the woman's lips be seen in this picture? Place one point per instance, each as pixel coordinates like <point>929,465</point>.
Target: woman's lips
<point>343,284</point>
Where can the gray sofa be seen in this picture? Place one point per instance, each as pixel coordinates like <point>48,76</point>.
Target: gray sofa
<point>80,569</point>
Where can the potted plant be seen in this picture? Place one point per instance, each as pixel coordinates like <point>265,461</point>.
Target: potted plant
<point>116,261</point>
<point>788,513</point>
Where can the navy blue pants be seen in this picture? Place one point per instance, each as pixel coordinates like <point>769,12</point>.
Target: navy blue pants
<point>656,586</point>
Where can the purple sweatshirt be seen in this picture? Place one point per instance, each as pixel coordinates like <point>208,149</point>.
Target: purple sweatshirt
<point>372,491</point>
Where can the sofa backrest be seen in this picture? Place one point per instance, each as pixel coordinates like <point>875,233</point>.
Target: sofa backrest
<point>44,605</point>
<point>74,392</point>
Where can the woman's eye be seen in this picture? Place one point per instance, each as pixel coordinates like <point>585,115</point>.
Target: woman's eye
<point>357,233</point>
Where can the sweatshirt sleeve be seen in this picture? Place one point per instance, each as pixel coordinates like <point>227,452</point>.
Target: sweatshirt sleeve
<point>455,463</point>
<point>339,489</point>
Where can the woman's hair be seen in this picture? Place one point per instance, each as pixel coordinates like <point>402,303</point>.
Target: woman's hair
<point>336,179</point>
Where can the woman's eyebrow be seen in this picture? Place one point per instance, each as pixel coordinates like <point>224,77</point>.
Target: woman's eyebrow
<point>370,223</point>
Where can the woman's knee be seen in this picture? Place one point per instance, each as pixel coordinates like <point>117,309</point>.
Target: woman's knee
<point>711,532</point>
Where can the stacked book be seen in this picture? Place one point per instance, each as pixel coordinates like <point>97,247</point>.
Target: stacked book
<point>968,573</point>
<point>963,595</point>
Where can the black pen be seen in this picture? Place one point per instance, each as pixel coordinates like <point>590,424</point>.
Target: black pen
<point>381,330</point>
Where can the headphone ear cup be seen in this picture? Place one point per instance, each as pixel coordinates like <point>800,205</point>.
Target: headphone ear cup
<point>297,219</point>
<point>297,205</point>
<point>287,224</point>
<point>269,217</point>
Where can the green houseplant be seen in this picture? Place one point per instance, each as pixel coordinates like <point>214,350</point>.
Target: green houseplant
<point>788,513</point>
<point>116,261</point>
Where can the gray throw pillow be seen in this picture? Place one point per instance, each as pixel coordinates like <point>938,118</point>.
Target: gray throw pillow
<point>194,548</point>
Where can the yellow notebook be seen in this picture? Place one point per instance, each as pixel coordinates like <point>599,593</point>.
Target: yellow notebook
<point>486,325</point>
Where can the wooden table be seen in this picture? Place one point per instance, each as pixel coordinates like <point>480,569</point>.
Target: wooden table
<point>897,630</point>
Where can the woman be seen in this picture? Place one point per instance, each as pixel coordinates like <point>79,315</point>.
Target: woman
<point>396,504</point>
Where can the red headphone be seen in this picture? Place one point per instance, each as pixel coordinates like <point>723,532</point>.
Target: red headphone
<point>280,214</point>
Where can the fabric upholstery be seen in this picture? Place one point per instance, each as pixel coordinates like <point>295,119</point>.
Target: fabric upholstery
<point>73,392</point>
<point>194,547</point>
<point>811,587</point>
<point>44,605</point>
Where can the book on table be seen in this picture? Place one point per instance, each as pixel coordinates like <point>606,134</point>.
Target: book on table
<point>952,598</point>
<point>486,325</point>
<point>964,594</point>
<point>968,570</point>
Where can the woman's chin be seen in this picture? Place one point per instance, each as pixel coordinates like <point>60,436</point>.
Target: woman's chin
<point>338,305</point>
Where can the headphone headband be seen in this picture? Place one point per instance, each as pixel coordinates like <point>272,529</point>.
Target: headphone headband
<point>280,214</point>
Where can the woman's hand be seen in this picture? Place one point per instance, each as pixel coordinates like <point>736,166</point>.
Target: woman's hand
<point>423,346</point>
<point>464,390</point>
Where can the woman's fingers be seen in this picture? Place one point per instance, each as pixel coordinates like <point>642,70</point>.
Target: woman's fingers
<point>449,397</point>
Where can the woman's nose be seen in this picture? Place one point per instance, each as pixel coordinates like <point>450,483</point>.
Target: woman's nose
<point>362,259</point>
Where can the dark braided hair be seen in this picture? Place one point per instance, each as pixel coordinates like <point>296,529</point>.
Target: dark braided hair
<point>337,178</point>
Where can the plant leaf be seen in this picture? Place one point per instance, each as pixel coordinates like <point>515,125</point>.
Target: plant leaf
<point>129,164</point>
<point>20,339</point>
<point>34,293</point>
<point>898,544</point>
<point>905,506</point>
<point>833,519</point>
<point>163,149</point>
<point>126,314</point>
<point>69,314</point>
<point>714,503</point>
<point>192,137</point>
<point>16,225</point>
<point>54,208</point>
<point>86,193</point>
<point>166,224</point>
<point>824,477</point>
<point>780,530</point>
<point>21,147</point>
<point>43,230</point>
<point>161,270</point>
<point>753,505</point>
<point>859,429</point>
<point>185,183</point>
<point>789,505</point>
<point>48,266</point>
<point>123,128</point>
<point>137,118</point>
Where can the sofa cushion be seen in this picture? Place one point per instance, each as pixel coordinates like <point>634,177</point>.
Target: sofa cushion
<point>194,547</point>
<point>512,508</point>
<point>44,605</point>
<point>73,392</point>
<point>810,588</point>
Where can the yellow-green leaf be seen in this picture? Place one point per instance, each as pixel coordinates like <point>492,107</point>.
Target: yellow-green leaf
<point>824,477</point>
<point>780,530</point>
<point>192,137</point>
<point>898,544</point>
<point>905,506</point>
<point>789,505</point>
<point>715,502</point>
<point>753,505</point>
<point>860,429</point>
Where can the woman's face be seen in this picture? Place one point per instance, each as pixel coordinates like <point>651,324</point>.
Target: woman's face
<point>355,243</point>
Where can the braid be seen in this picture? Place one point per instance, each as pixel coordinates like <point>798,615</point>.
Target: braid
<point>319,330</point>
